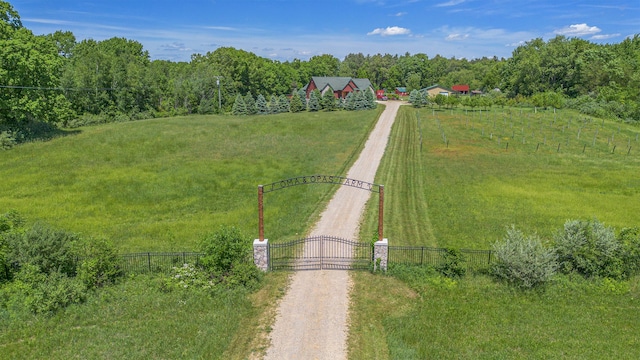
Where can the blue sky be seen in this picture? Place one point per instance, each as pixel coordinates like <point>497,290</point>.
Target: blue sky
<point>287,29</point>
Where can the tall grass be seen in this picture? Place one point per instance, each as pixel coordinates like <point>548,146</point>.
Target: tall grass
<point>160,185</point>
<point>136,320</point>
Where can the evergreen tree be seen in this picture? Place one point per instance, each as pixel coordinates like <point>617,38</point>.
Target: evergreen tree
<point>239,106</point>
<point>261,105</point>
<point>283,104</point>
<point>296,104</point>
<point>350,102</point>
<point>370,99</point>
<point>314,100</point>
<point>273,105</point>
<point>414,98</point>
<point>251,104</point>
<point>328,101</point>
<point>360,101</point>
<point>303,98</point>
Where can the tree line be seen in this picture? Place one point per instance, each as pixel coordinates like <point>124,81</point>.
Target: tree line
<point>58,80</point>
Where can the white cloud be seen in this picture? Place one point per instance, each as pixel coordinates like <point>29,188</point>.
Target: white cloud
<point>450,3</point>
<point>457,37</point>
<point>578,30</point>
<point>175,46</point>
<point>604,36</point>
<point>390,31</point>
<point>400,14</point>
<point>516,44</point>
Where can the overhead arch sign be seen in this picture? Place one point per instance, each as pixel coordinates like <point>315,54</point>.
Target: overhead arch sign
<point>318,179</point>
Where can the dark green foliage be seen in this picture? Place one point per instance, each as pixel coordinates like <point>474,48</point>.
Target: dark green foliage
<point>9,222</point>
<point>35,292</point>
<point>523,261</point>
<point>453,264</point>
<point>296,104</point>
<point>314,100</point>
<point>328,102</point>
<point>629,238</point>
<point>273,105</point>
<point>590,249</point>
<point>239,106</point>
<point>303,98</point>
<point>370,99</point>
<point>98,262</point>
<point>49,250</point>
<point>414,98</point>
<point>227,256</point>
<point>283,104</point>
<point>261,105</point>
<point>250,103</point>
<point>350,102</point>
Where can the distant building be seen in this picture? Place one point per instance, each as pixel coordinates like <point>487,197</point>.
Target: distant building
<point>461,89</point>
<point>340,86</point>
<point>381,95</point>
<point>401,91</point>
<point>436,89</point>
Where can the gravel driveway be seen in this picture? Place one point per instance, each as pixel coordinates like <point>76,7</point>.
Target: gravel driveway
<point>312,319</point>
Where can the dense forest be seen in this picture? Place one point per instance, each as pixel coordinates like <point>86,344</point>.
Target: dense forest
<point>56,80</point>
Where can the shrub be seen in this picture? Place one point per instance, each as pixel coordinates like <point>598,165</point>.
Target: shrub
<point>98,263</point>
<point>453,265</point>
<point>36,292</point>
<point>50,250</point>
<point>629,239</point>
<point>9,222</point>
<point>7,140</point>
<point>523,261</point>
<point>590,249</point>
<point>227,257</point>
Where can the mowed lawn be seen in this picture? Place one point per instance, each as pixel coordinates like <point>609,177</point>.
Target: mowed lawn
<point>462,188</point>
<point>160,185</point>
<point>465,192</point>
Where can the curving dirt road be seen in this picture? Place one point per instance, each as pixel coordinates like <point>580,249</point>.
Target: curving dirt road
<point>312,320</point>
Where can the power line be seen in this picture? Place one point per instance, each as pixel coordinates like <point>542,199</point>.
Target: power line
<point>53,88</point>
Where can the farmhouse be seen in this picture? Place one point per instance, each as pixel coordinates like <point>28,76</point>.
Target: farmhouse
<point>340,86</point>
<point>436,89</point>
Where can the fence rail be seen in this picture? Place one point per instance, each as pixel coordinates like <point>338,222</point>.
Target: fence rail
<point>285,258</point>
<point>475,260</point>
<point>149,262</point>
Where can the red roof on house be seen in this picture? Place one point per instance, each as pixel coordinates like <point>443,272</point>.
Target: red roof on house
<point>460,88</point>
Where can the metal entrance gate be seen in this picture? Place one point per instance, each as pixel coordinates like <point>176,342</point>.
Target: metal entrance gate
<point>320,253</point>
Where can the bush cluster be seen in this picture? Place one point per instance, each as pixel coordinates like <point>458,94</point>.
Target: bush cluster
<point>227,263</point>
<point>523,261</point>
<point>43,269</point>
<point>585,248</point>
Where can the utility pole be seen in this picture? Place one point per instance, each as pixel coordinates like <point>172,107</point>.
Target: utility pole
<point>219,98</point>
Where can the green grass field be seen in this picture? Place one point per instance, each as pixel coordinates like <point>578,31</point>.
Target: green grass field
<point>160,185</point>
<point>464,192</point>
<point>462,187</point>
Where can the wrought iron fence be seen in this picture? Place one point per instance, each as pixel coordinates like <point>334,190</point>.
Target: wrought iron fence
<point>149,262</point>
<point>475,260</point>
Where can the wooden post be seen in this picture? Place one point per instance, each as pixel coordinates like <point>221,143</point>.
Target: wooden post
<point>260,215</point>
<point>381,214</point>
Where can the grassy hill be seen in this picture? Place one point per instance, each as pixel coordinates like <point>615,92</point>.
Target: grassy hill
<point>159,185</point>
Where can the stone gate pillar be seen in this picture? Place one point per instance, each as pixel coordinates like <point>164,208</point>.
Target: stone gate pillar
<point>261,254</point>
<point>381,251</point>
